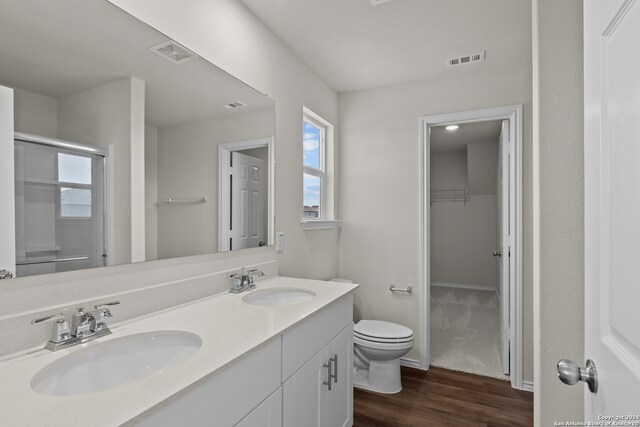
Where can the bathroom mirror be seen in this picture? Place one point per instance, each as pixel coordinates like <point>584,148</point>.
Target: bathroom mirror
<point>129,147</point>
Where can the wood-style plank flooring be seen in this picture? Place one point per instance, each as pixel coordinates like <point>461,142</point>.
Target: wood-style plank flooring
<point>440,397</point>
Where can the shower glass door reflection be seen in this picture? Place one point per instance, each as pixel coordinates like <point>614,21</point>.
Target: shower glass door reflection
<point>59,209</point>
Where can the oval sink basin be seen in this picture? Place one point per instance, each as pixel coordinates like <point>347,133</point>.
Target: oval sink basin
<point>114,363</point>
<point>278,296</point>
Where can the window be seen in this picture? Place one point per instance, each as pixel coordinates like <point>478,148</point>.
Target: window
<point>313,141</point>
<point>75,194</point>
<point>317,182</point>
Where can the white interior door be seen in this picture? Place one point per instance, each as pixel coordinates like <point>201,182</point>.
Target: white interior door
<point>612,205</point>
<point>7,191</point>
<point>503,244</point>
<point>247,193</point>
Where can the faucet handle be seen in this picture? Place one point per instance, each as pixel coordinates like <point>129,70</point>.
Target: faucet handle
<point>105,305</point>
<point>58,317</point>
<point>60,331</point>
<point>255,272</point>
<point>101,315</point>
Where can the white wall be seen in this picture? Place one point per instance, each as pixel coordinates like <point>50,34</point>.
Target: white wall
<point>36,114</point>
<point>559,205</point>
<point>188,167</point>
<point>463,236</point>
<point>7,189</point>
<point>482,163</point>
<point>449,170</point>
<point>136,165</point>
<point>102,116</point>
<point>151,192</point>
<point>380,200</point>
<point>227,34</point>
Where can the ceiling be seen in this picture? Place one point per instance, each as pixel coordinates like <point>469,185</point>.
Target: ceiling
<point>57,48</point>
<point>443,140</point>
<point>353,45</point>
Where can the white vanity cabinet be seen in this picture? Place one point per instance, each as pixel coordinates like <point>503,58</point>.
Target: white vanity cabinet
<point>283,382</point>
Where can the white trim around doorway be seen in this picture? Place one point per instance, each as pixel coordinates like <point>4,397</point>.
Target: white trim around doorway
<point>513,113</point>
<point>224,156</point>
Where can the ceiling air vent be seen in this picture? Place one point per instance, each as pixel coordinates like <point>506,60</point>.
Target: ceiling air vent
<point>466,59</point>
<point>174,52</point>
<point>236,104</point>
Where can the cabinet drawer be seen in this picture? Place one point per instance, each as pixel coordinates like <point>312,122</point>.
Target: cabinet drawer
<point>306,339</point>
<point>228,396</point>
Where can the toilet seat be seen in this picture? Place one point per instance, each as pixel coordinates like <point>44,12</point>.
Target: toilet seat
<point>383,340</point>
<point>381,331</point>
<point>382,345</point>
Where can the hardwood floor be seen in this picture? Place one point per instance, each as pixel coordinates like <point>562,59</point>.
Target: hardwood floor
<point>440,397</point>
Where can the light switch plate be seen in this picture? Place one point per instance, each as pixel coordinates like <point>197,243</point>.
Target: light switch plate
<point>279,241</point>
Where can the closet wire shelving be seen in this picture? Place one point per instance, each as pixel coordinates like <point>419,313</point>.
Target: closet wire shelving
<point>454,195</point>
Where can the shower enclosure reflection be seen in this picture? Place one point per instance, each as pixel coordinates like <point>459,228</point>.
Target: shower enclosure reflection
<point>59,207</point>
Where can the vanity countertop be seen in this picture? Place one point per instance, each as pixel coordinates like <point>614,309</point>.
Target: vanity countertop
<point>228,327</point>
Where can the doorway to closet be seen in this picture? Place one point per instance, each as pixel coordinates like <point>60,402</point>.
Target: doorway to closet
<point>472,242</point>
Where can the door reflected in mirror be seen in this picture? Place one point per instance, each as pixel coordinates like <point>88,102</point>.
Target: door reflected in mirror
<point>129,147</point>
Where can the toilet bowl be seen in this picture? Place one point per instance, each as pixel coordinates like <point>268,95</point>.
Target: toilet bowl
<point>378,347</point>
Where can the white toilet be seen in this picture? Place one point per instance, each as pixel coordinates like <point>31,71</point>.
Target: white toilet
<point>377,349</point>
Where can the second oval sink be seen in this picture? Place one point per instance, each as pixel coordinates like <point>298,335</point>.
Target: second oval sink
<point>116,362</point>
<point>278,296</point>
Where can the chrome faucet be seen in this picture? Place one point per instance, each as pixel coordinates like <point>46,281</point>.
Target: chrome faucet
<point>244,280</point>
<point>85,326</point>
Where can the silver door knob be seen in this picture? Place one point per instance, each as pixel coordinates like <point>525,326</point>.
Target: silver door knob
<point>497,253</point>
<point>569,373</point>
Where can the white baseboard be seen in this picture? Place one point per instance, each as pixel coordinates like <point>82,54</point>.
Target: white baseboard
<point>410,363</point>
<point>464,286</point>
<point>527,386</point>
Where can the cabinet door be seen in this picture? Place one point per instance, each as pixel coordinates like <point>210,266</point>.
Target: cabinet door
<point>302,395</point>
<point>267,414</point>
<point>337,403</point>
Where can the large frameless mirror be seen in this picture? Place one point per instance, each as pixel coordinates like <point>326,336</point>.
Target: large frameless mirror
<point>128,146</point>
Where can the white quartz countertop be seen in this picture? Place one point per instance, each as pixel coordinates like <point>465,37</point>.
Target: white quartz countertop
<point>228,327</point>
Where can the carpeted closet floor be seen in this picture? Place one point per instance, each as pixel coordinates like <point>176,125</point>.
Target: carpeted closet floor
<point>465,331</point>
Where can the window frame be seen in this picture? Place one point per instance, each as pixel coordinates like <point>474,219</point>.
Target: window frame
<point>72,185</point>
<point>326,172</point>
